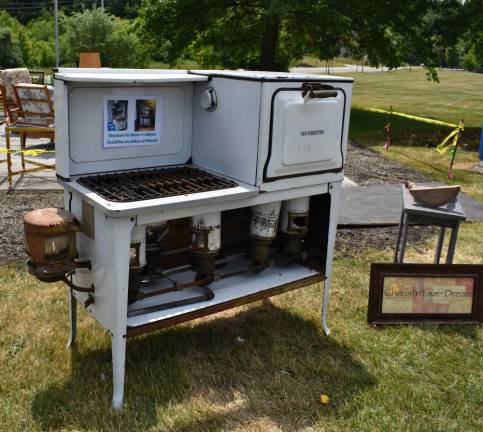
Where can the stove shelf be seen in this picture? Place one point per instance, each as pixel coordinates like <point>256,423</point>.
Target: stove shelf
<point>230,292</point>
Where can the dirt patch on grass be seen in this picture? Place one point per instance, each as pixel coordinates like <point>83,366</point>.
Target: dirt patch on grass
<point>366,167</point>
<point>13,206</point>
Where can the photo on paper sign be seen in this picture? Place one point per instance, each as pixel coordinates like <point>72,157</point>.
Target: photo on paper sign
<point>145,115</point>
<point>117,117</point>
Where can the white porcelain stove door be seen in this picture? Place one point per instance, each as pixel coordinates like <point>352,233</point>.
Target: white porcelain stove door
<point>306,134</point>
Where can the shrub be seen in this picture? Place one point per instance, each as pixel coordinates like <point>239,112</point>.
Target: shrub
<point>98,31</point>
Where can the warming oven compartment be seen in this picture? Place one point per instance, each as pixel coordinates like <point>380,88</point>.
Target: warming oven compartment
<point>306,131</point>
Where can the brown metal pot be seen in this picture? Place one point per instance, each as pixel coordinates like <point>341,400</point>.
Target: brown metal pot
<point>50,242</point>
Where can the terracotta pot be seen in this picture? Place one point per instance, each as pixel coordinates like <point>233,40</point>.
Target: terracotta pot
<point>89,60</point>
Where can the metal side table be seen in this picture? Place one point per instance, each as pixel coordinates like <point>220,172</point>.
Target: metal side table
<point>447,216</point>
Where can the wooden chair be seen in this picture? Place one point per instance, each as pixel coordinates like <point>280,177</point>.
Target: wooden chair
<point>10,107</point>
<point>35,120</point>
<point>37,77</point>
<point>35,104</point>
<point>9,78</point>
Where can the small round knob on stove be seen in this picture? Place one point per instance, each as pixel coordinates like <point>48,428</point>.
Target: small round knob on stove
<point>208,99</point>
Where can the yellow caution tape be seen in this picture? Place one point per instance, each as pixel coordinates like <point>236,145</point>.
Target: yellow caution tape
<point>446,144</point>
<point>412,117</point>
<point>31,152</point>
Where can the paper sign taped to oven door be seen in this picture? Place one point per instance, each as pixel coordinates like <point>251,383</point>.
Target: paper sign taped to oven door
<point>132,120</point>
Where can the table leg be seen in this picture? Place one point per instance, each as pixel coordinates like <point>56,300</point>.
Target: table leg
<point>404,238</point>
<point>398,242</point>
<point>452,243</point>
<point>23,140</point>
<point>9,156</point>
<point>439,245</point>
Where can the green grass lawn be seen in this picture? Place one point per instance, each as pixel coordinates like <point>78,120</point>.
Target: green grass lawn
<point>197,377</point>
<point>458,95</point>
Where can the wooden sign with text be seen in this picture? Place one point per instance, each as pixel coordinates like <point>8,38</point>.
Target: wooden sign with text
<point>425,293</point>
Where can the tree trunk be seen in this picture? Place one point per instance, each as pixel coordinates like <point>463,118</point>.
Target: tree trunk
<point>269,44</point>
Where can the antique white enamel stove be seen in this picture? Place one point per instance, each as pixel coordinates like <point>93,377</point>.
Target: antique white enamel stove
<point>194,192</point>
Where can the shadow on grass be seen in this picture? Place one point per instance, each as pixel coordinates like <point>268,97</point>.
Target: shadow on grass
<point>200,378</point>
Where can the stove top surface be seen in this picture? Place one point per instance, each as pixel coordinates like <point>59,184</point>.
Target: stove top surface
<point>138,185</point>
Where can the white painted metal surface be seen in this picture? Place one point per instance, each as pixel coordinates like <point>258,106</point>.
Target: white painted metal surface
<point>210,224</point>
<point>85,135</point>
<point>138,236</point>
<point>267,179</point>
<point>264,75</point>
<point>306,136</point>
<point>125,76</point>
<point>226,139</point>
<point>296,206</point>
<point>225,290</point>
<point>302,137</point>
<point>264,220</point>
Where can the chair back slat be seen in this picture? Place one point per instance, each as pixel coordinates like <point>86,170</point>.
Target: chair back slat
<point>35,102</point>
<point>10,108</point>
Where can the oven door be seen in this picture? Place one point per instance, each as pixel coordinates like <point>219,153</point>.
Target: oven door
<point>306,131</point>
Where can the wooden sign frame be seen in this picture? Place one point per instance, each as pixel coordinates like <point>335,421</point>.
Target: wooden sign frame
<point>377,295</point>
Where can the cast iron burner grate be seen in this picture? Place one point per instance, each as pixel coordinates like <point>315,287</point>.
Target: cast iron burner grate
<point>154,183</point>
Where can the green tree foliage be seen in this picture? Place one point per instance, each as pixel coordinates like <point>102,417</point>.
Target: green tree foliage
<point>41,35</point>
<point>10,54</point>
<point>98,31</point>
<point>123,8</point>
<point>269,34</point>
<point>25,10</point>
<point>473,36</point>
<point>14,47</point>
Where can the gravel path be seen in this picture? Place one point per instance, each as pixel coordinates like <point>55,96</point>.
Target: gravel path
<point>12,207</point>
<point>367,167</point>
<point>363,166</point>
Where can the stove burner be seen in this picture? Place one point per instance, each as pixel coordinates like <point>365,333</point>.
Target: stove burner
<point>154,183</point>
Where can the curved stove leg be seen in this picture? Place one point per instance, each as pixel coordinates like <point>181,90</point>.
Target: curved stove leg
<point>73,319</point>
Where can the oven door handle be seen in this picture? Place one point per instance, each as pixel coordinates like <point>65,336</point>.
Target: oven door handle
<point>319,94</point>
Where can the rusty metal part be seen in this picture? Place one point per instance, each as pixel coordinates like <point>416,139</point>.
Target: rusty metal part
<point>89,301</point>
<point>177,286</point>
<point>208,294</point>
<point>76,287</point>
<point>259,252</point>
<point>134,284</point>
<point>316,89</point>
<point>49,235</point>
<point>57,272</point>
<point>155,235</point>
<point>154,183</point>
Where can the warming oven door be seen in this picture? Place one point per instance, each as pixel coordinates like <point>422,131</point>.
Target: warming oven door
<point>306,131</point>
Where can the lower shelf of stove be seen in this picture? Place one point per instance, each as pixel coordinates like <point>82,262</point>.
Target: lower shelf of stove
<point>229,292</point>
